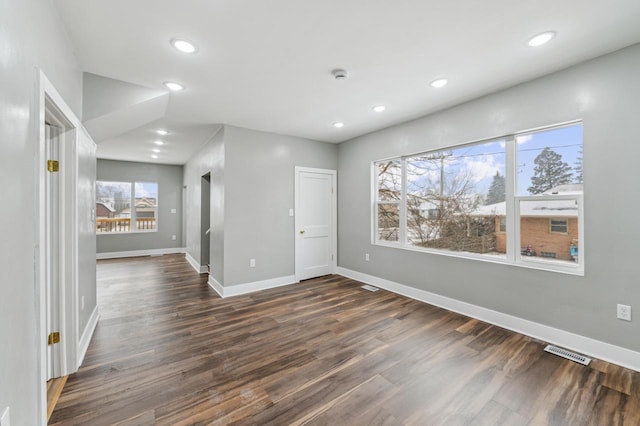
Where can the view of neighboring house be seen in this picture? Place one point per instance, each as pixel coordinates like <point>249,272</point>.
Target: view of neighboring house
<point>548,228</point>
<point>104,209</point>
<point>108,219</point>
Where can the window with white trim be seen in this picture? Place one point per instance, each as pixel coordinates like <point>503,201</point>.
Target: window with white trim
<point>114,202</point>
<point>515,199</point>
<point>559,226</point>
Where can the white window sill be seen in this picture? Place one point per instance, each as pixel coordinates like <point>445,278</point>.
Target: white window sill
<point>149,231</point>
<point>550,265</point>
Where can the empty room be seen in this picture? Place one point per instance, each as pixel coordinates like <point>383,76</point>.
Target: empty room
<point>317,212</point>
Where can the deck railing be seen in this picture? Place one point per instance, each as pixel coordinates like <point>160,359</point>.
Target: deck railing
<point>123,224</point>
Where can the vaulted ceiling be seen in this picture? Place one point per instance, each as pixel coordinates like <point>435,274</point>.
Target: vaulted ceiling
<point>266,64</point>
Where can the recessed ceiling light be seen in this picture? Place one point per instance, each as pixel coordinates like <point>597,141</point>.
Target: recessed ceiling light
<point>541,39</point>
<point>154,156</point>
<point>158,142</point>
<point>155,150</point>
<point>173,86</point>
<point>162,132</point>
<point>379,108</point>
<point>441,82</point>
<point>183,45</point>
<point>338,124</point>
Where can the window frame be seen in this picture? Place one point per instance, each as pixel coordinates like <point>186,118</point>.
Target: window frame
<point>512,206</point>
<point>557,219</point>
<point>133,224</point>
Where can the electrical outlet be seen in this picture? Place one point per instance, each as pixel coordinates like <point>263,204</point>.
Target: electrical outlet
<point>173,237</point>
<point>624,312</point>
<point>366,257</point>
<point>252,263</point>
<point>291,212</point>
<point>174,211</point>
<point>5,420</point>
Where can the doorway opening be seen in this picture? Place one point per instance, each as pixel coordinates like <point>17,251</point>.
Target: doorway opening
<point>56,239</point>
<point>205,223</point>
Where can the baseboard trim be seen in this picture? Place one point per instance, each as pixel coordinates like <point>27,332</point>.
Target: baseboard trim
<point>87,334</point>
<point>236,290</point>
<point>575,342</point>
<point>195,264</point>
<point>216,286</point>
<point>138,253</point>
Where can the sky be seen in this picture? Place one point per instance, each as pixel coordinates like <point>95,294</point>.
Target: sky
<point>142,189</point>
<point>480,162</point>
<point>566,141</point>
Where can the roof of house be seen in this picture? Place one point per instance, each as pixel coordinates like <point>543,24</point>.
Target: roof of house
<point>106,206</point>
<point>533,208</point>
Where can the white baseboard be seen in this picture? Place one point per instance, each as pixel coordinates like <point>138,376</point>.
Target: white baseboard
<point>236,290</point>
<point>575,342</point>
<point>201,269</point>
<point>87,334</point>
<point>216,286</point>
<point>137,253</point>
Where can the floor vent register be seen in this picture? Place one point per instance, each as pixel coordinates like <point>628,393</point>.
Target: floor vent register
<point>580,359</point>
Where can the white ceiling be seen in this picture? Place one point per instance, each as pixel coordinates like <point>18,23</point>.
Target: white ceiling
<point>266,64</point>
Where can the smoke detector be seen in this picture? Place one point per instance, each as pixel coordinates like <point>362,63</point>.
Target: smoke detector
<point>339,74</point>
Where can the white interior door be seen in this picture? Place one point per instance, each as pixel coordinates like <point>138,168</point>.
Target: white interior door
<point>52,250</point>
<point>315,222</point>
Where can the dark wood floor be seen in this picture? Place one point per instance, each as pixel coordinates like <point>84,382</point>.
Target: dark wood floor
<point>169,351</point>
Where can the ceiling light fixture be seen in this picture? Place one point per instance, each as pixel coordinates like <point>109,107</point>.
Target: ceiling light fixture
<point>183,45</point>
<point>158,142</point>
<point>154,156</point>
<point>162,132</point>
<point>379,108</point>
<point>338,124</point>
<point>541,39</point>
<point>441,82</point>
<point>156,150</point>
<point>173,86</point>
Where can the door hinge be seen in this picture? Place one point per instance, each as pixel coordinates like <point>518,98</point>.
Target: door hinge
<point>332,189</point>
<point>53,338</point>
<point>331,257</point>
<point>53,165</point>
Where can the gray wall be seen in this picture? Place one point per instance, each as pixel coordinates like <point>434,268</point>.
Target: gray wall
<point>259,190</point>
<point>604,93</point>
<point>210,159</point>
<point>31,36</point>
<point>252,179</point>
<point>169,180</point>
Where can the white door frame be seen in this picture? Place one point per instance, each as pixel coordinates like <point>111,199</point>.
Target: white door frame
<point>334,216</point>
<point>51,106</point>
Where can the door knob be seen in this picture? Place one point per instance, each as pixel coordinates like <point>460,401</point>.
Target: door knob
<point>302,231</point>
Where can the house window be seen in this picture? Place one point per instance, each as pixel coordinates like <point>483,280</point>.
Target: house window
<point>123,207</point>
<point>496,199</point>
<point>559,226</point>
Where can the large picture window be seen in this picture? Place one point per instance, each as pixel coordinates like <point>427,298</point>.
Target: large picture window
<point>126,207</point>
<point>515,199</point>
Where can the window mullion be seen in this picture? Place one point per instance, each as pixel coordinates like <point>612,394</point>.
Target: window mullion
<point>403,205</point>
<point>512,224</point>
<point>132,227</point>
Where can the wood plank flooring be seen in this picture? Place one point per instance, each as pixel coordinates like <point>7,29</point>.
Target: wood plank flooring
<point>169,351</point>
<point>54,389</point>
